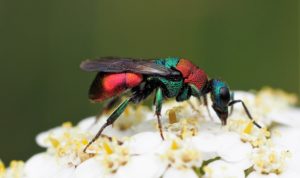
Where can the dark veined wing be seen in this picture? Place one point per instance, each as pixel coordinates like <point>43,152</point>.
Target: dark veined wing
<point>116,64</point>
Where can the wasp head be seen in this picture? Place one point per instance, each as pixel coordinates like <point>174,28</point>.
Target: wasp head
<point>220,96</point>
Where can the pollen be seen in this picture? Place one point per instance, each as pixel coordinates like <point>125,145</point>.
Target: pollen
<point>113,155</point>
<point>174,145</point>
<point>184,132</point>
<point>54,142</point>
<point>67,124</point>
<point>127,112</point>
<point>107,148</point>
<point>2,168</point>
<point>248,129</point>
<point>15,163</point>
<point>266,132</point>
<point>15,169</point>
<point>172,116</point>
<point>84,141</point>
<point>267,160</point>
<point>272,158</point>
<point>189,155</point>
<point>208,170</point>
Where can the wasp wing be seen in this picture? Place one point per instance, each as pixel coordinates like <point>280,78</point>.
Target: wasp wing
<point>117,65</point>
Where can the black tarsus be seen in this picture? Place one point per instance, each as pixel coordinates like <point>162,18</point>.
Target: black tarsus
<point>246,110</point>
<point>96,136</point>
<point>111,119</point>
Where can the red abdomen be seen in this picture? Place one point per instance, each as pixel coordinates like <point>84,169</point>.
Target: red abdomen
<point>191,73</point>
<point>107,85</point>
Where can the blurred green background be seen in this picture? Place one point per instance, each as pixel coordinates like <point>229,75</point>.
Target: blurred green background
<point>249,44</point>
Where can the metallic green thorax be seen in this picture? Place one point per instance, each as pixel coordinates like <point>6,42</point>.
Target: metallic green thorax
<point>170,88</point>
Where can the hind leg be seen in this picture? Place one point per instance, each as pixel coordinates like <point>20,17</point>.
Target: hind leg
<point>111,119</point>
<point>108,106</point>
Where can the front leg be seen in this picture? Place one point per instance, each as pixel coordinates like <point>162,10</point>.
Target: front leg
<point>158,104</point>
<point>206,105</point>
<point>197,93</point>
<point>231,99</point>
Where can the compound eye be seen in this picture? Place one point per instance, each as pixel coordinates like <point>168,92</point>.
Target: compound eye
<point>224,95</point>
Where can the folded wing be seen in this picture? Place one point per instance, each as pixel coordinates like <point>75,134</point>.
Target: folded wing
<point>118,65</point>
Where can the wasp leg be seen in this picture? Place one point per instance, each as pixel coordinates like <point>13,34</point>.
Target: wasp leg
<point>158,104</point>
<point>246,110</point>
<point>108,106</point>
<point>231,110</point>
<point>114,116</point>
<point>231,99</point>
<point>206,105</point>
<point>112,103</point>
<point>193,107</point>
<point>195,91</point>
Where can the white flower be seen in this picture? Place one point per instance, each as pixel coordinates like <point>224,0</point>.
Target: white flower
<point>15,169</point>
<point>175,173</point>
<point>222,169</point>
<point>195,145</point>
<point>146,166</point>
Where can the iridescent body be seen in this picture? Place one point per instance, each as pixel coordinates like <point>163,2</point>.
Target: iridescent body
<point>169,78</point>
<point>107,85</point>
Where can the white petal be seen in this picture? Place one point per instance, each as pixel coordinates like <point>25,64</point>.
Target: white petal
<point>259,175</point>
<point>87,123</point>
<point>236,152</point>
<point>176,173</point>
<point>222,169</point>
<point>41,165</point>
<point>147,125</point>
<point>144,142</point>
<point>212,127</point>
<point>145,166</point>
<point>290,117</point>
<point>242,164</point>
<point>290,174</point>
<point>42,138</point>
<point>288,139</point>
<point>247,97</point>
<point>66,172</point>
<point>232,149</point>
<point>90,168</point>
<point>238,94</point>
<point>205,142</point>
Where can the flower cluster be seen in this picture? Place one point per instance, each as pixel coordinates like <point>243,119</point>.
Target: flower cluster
<point>196,144</point>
